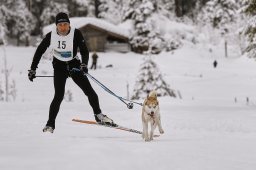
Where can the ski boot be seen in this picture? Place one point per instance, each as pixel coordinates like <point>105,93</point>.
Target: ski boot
<point>103,119</point>
<point>48,129</point>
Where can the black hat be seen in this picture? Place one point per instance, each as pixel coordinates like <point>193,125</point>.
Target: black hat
<point>61,17</point>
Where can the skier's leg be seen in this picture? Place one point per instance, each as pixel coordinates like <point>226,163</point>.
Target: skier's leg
<point>83,82</point>
<point>85,85</point>
<point>59,86</point>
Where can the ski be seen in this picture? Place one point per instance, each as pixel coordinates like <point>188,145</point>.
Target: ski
<point>110,126</point>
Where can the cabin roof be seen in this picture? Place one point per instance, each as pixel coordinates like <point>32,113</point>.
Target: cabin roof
<point>80,22</point>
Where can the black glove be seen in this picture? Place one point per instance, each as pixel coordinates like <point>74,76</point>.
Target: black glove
<point>31,74</point>
<point>83,67</point>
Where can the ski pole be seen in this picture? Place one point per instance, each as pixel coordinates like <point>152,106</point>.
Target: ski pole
<point>105,88</point>
<point>129,105</point>
<point>44,76</point>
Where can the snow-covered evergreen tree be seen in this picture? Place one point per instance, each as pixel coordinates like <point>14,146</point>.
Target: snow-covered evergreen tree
<point>103,8</point>
<point>19,20</point>
<point>150,78</point>
<point>36,8</point>
<point>41,9</point>
<point>51,10</point>
<point>166,7</point>
<point>78,8</point>
<point>111,10</point>
<point>91,7</point>
<point>25,22</point>
<point>219,13</point>
<point>250,28</point>
<point>166,4</point>
<point>146,36</point>
<point>219,21</point>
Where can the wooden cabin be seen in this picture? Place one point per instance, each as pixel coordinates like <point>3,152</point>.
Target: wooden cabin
<point>99,39</point>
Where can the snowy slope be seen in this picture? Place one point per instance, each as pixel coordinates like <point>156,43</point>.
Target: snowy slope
<point>206,130</point>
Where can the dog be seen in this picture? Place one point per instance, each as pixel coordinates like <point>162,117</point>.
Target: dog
<point>151,115</point>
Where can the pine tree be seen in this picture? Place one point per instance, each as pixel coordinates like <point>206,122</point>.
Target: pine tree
<point>250,28</point>
<point>78,8</point>
<point>219,13</point>
<point>167,5</point>
<point>36,8</point>
<point>110,10</point>
<point>184,7</point>
<point>24,22</point>
<point>146,37</point>
<point>149,79</point>
<point>45,11</point>
<point>19,20</point>
<point>51,10</point>
<point>103,8</point>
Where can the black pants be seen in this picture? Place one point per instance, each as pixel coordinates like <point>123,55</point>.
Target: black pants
<point>62,71</point>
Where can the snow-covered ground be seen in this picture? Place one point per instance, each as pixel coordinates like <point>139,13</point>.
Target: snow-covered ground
<point>205,130</point>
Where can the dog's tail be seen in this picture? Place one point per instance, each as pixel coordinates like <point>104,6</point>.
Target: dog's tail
<point>152,94</point>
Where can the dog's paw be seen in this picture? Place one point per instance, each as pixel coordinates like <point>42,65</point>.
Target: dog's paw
<point>161,131</point>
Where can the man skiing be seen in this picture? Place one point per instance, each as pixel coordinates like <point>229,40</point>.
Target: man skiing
<point>64,41</point>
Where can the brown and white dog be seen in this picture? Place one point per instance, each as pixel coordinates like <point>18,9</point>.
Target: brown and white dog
<point>151,115</point>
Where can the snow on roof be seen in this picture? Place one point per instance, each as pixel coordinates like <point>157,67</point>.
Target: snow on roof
<point>79,22</point>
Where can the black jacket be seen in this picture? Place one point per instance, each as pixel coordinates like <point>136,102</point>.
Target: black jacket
<point>78,42</point>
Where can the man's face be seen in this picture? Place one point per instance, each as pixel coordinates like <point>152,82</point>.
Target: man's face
<point>63,28</point>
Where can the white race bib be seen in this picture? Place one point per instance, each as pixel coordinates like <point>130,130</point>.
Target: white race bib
<point>62,46</point>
